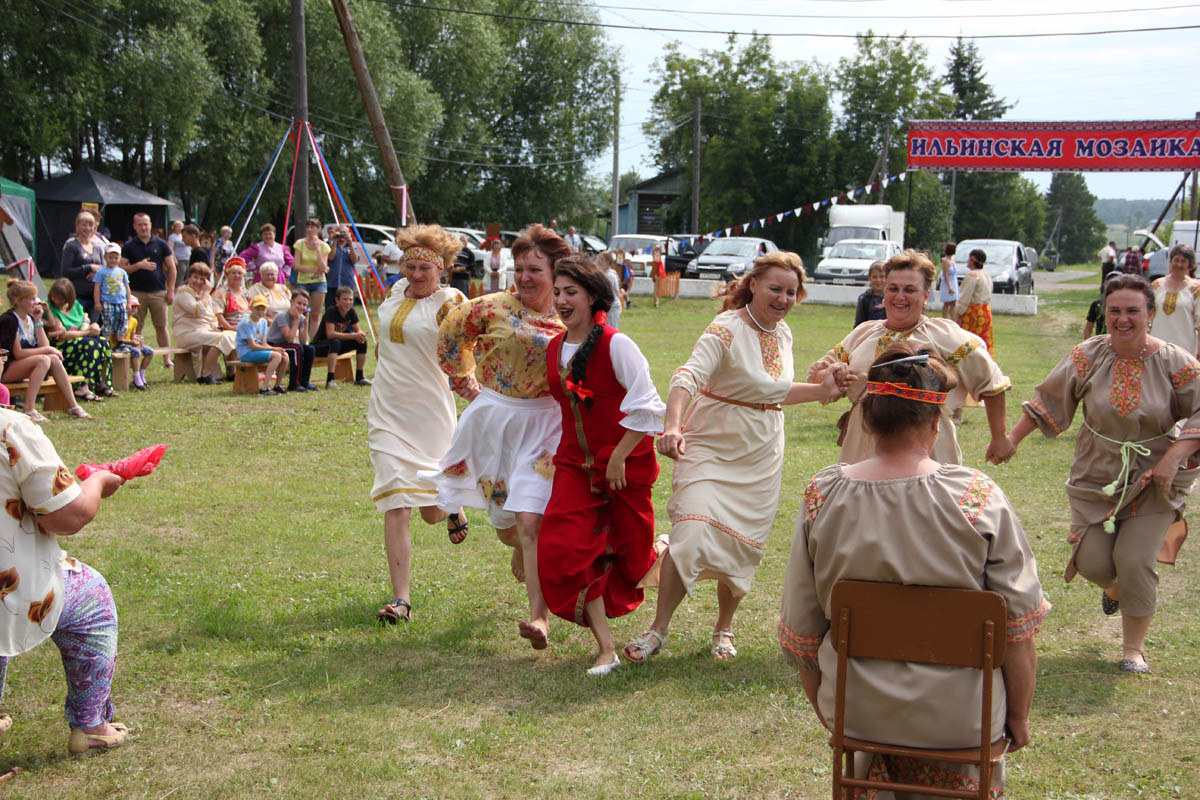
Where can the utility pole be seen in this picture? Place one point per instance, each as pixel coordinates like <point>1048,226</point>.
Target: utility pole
<point>391,167</point>
<point>615,226</point>
<point>1195,197</point>
<point>300,111</point>
<point>887,143</point>
<point>696,167</point>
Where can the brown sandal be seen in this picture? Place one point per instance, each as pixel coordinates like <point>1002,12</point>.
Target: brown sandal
<point>397,611</point>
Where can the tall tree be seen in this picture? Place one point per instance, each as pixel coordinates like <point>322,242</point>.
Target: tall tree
<point>974,98</point>
<point>1081,233</point>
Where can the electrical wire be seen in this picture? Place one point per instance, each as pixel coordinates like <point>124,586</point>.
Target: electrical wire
<point>784,34</point>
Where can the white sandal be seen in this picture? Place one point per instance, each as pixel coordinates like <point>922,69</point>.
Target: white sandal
<point>723,648</point>
<point>643,646</point>
<point>36,416</point>
<point>78,412</point>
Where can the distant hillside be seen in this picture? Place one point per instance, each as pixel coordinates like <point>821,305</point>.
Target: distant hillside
<point>1118,212</point>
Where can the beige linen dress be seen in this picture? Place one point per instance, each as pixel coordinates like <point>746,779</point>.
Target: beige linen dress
<point>726,484</point>
<point>1176,319</point>
<point>1124,400</point>
<point>194,325</point>
<point>411,413</point>
<point>953,528</point>
<point>978,375</point>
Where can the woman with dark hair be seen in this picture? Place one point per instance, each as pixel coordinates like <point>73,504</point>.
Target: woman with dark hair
<point>267,251</point>
<point>1132,471</point>
<point>501,456</point>
<point>729,457</point>
<point>948,526</point>
<point>597,538</point>
<point>948,284</point>
<point>84,351</point>
<point>908,277</point>
<point>1177,296</point>
<point>973,312</point>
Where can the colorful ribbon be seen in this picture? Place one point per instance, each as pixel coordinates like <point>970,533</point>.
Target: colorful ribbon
<point>907,392</point>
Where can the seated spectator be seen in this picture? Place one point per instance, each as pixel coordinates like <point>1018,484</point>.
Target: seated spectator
<point>948,525</point>
<point>339,333</point>
<point>279,297</point>
<point>131,342</point>
<point>286,331</point>
<point>31,358</point>
<point>47,594</point>
<point>496,265</point>
<point>230,302</point>
<point>84,351</point>
<point>194,324</point>
<point>252,347</point>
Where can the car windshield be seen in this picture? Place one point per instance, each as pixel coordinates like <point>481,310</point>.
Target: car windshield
<point>868,251</point>
<point>732,247</point>
<point>998,255</point>
<point>843,232</point>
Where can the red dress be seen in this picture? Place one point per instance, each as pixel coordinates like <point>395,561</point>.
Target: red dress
<point>594,542</point>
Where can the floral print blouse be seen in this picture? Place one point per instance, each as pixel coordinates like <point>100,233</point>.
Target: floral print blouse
<point>497,342</point>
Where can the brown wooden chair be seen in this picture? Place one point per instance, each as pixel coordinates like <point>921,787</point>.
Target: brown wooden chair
<point>927,625</point>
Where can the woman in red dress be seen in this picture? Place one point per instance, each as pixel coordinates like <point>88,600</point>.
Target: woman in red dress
<point>597,539</point>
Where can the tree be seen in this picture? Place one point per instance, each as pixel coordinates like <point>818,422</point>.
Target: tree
<point>765,137</point>
<point>1081,233</point>
<point>973,97</point>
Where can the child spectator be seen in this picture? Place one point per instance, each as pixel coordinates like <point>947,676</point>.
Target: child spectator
<point>870,302</point>
<point>133,344</point>
<point>289,331</point>
<point>339,333</point>
<point>1096,325</point>
<point>110,293</point>
<point>626,277</point>
<point>252,347</point>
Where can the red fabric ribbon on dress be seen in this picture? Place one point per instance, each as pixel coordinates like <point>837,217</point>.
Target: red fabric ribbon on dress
<point>138,465</point>
<point>578,390</point>
<point>907,392</point>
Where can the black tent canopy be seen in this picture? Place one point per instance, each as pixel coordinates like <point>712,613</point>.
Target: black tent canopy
<point>58,201</point>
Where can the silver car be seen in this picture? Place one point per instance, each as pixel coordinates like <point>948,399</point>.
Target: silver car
<point>728,257</point>
<point>1009,263</point>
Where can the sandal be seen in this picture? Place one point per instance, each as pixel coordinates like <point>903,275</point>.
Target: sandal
<point>81,742</point>
<point>644,646</point>
<point>78,413</point>
<point>1108,605</point>
<point>396,611</point>
<point>37,416</point>
<point>723,648</point>
<point>457,526</point>
<point>110,392</point>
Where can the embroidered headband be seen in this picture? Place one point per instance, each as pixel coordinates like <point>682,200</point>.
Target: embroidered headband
<point>423,254</point>
<point>907,392</point>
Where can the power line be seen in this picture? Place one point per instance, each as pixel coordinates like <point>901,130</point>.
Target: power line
<point>870,17</point>
<point>792,35</point>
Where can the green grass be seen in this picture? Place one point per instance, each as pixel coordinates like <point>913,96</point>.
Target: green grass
<point>247,571</point>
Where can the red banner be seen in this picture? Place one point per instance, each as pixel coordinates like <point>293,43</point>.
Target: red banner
<point>1150,146</point>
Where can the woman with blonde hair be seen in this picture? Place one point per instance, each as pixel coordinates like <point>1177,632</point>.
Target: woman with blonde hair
<point>31,358</point>
<point>194,324</point>
<point>411,413</point>
<point>729,454</point>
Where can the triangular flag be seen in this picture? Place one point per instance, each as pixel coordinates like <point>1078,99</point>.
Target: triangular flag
<point>762,222</point>
<point>900,177</point>
<point>858,191</point>
<point>833,201</point>
<point>727,231</point>
<point>816,206</point>
<point>869,189</point>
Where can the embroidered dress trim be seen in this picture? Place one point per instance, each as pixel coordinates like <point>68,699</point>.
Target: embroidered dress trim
<point>841,354</point>
<point>1169,302</point>
<point>722,528</point>
<point>391,492</point>
<point>1046,415</point>
<point>797,645</point>
<point>813,500</point>
<point>1186,374</point>
<point>772,359</point>
<point>721,332</point>
<point>1082,367</point>
<point>1126,390</point>
<point>1026,626</point>
<point>959,355</point>
<point>396,327</point>
<point>976,496</point>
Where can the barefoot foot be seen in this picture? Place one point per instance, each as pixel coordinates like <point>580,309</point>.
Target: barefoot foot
<point>535,633</point>
<point>518,564</point>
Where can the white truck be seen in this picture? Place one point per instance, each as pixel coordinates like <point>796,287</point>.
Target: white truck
<point>862,222</point>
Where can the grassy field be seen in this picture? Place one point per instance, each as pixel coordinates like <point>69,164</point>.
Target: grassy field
<point>247,572</point>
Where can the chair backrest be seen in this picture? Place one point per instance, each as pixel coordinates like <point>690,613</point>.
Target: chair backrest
<point>925,624</point>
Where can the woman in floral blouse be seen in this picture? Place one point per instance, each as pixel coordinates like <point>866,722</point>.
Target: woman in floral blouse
<point>494,350</point>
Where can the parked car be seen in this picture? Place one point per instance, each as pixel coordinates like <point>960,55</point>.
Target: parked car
<point>638,247</point>
<point>728,258</point>
<point>1009,263</point>
<point>690,247</point>
<point>593,244</point>
<point>375,237</point>
<point>475,239</point>
<point>849,261</point>
<point>1155,264</point>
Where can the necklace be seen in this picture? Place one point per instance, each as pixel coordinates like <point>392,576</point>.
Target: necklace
<point>757,324</point>
<point>1140,356</point>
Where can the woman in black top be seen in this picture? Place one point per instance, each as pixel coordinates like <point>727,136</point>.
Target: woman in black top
<point>81,257</point>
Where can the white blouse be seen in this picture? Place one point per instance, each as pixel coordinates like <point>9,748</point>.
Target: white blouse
<point>642,407</point>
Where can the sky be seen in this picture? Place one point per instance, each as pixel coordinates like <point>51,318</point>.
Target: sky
<point>1124,76</point>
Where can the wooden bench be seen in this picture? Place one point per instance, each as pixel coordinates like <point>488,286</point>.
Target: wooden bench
<point>52,399</point>
<point>246,376</point>
<point>186,365</point>
<point>343,368</point>
<point>120,371</point>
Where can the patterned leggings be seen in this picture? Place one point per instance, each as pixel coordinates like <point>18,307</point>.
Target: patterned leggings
<point>91,357</point>
<point>87,638</point>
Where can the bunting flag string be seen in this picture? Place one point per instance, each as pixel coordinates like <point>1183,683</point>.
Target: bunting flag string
<point>806,208</point>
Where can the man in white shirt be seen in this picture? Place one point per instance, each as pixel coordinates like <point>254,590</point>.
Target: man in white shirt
<point>1108,260</point>
<point>572,239</point>
<point>390,256</point>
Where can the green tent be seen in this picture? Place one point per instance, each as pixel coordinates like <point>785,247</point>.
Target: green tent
<point>21,205</point>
